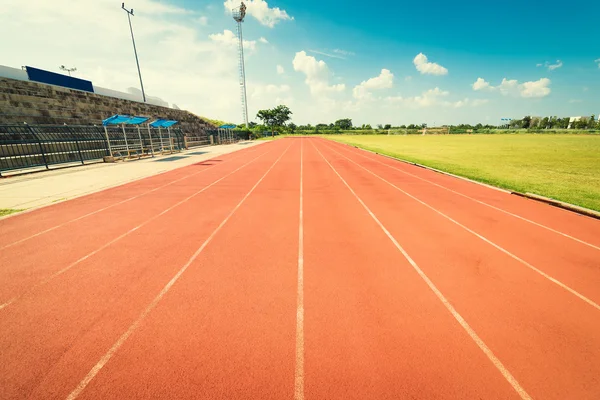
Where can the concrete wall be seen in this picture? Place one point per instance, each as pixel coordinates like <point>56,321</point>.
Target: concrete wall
<point>13,73</point>
<point>37,103</point>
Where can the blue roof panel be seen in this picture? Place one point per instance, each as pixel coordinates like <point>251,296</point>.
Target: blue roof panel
<point>163,123</point>
<point>124,119</point>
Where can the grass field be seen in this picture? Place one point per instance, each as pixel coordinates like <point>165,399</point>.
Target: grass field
<point>7,211</point>
<point>563,167</point>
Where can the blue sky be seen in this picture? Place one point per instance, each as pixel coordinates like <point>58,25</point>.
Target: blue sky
<point>379,62</point>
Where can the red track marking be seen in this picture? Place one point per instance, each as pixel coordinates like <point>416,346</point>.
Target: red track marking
<point>324,304</point>
<point>562,222</point>
<point>40,265</point>
<point>86,310</point>
<point>540,332</point>
<point>10,230</point>
<point>373,330</point>
<point>543,248</point>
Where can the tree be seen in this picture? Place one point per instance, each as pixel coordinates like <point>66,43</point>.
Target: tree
<point>345,123</point>
<point>526,122</point>
<point>592,122</point>
<point>387,126</point>
<point>379,126</point>
<point>292,126</point>
<point>276,117</point>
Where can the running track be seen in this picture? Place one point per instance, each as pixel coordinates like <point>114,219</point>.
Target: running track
<point>301,268</point>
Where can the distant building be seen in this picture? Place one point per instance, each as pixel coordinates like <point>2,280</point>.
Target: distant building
<point>576,119</point>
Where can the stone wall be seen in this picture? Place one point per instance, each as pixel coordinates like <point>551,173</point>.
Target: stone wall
<point>37,103</point>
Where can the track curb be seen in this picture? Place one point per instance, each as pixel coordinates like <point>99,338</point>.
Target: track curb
<point>531,196</point>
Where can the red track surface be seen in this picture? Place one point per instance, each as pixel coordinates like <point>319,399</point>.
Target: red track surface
<point>304,269</point>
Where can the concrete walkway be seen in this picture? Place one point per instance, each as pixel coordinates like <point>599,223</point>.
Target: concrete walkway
<point>47,187</point>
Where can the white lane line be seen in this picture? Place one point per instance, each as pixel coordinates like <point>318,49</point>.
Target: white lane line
<point>299,375</point>
<point>486,350</point>
<point>106,358</point>
<point>65,269</point>
<point>508,253</point>
<point>482,203</point>
<point>113,205</point>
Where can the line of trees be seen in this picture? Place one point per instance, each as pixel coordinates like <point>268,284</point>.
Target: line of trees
<point>277,120</point>
<point>555,122</point>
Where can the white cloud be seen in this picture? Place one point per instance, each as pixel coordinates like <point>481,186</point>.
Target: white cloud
<point>260,10</point>
<point>434,98</point>
<point>280,70</point>
<point>572,101</point>
<point>431,97</point>
<point>317,74</point>
<point>322,53</point>
<point>263,40</point>
<point>203,21</point>
<point>467,102</point>
<point>385,80</point>
<point>229,38</point>
<point>551,67</point>
<point>508,86</point>
<point>536,88</point>
<point>344,52</point>
<point>482,84</point>
<point>598,62</point>
<point>425,67</point>
<point>408,78</point>
<point>512,87</point>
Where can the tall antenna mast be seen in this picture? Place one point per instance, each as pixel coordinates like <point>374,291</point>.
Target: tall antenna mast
<point>238,15</point>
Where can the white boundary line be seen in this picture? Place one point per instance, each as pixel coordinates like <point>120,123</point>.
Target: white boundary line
<point>479,201</point>
<point>112,205</point>
<point>545,275</point>
<point>299,373</point>
<point>65,269</point>
<point>115,347</point>
<point>480,343</point>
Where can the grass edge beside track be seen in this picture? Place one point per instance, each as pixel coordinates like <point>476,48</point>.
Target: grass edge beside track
<point>7,211</point>
<point>472,175</point>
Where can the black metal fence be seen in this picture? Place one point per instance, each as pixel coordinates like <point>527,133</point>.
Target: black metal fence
<point>27,146</point>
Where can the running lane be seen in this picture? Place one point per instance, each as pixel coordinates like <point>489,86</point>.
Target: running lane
<point>544,335</point>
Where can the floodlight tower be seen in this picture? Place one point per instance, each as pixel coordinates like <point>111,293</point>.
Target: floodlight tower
<point>239,14</point>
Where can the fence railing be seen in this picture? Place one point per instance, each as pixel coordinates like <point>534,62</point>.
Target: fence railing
<point>28,146</point>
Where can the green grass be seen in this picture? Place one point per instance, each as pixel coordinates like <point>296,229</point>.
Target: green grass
<point>563,167</point>
<point>7,211</point>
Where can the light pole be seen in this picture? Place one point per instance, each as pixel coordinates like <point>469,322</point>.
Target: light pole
<point>69,70</point>
<point>129,14</point>
<point>238,15</point>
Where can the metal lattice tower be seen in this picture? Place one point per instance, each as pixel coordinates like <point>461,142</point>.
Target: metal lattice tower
<point>238,15</point>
